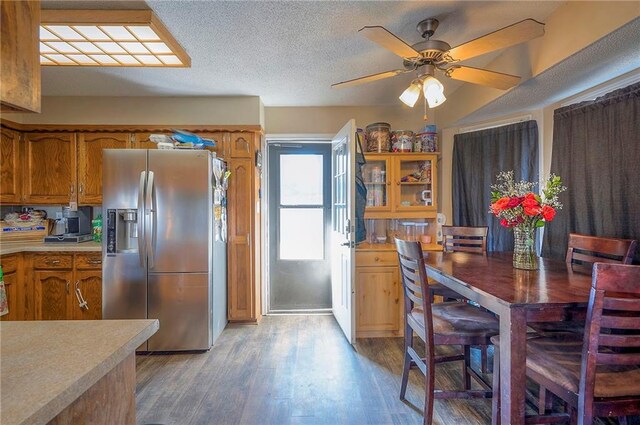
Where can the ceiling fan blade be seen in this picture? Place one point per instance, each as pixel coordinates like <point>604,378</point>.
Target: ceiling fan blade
<point>369,78</point>
<point>508,36</point>
<point>389,41</point>
<point>483,77</point>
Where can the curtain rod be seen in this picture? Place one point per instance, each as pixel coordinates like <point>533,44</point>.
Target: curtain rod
<point>494,124</point>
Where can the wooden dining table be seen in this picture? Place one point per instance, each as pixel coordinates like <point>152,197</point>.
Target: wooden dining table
<point>555,292</point>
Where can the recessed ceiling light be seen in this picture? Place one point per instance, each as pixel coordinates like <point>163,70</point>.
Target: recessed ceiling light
<point>107,38</point>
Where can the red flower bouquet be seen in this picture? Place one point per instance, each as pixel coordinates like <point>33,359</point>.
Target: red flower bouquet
<point>518,207</point>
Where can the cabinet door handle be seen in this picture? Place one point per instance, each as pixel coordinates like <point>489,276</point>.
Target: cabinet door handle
<point>71,188</point>
<point>81,188</point>
<point>82,303</point>
<point>53,261</point>
<point>94,262</point>
<point>67,285</point>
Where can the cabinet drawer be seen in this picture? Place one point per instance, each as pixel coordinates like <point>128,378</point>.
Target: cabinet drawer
<point>91,261</point>
<point>382,258</point>
<point>53,261</point>
<point>9,263</point>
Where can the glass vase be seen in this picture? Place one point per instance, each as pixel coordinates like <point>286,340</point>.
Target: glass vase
<point>524,249</point>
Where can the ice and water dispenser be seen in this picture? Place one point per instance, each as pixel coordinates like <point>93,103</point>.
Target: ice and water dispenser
<point>122,231</point>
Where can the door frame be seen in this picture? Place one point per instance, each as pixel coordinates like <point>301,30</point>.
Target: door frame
<point>266,227</point>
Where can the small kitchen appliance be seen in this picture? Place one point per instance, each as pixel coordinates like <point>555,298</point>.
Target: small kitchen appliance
<point>75,226</point>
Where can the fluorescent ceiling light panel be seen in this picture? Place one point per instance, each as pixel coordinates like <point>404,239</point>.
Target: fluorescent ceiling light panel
<point>92,32</point>
<point>135,48</point>
<point>65,32</point>
<point>108,38</point>
<point>47,35</point>
<point>143,33</point>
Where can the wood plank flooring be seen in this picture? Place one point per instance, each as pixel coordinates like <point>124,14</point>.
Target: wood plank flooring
<point>293,370</point>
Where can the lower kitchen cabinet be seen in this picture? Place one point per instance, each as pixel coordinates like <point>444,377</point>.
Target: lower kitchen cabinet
<point>88,294</point>
<point>53,286</point>
<point>378,302</point>
<point>52,293</point>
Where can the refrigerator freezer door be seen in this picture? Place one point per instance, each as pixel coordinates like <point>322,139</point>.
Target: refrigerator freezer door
<point>179,226</point>
<point>180,302</point>
<point>124,275</point>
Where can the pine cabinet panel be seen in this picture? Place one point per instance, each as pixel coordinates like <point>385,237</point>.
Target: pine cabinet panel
<point>142,141</point>
<point>89,285</point>
<point>10,176</point>
<point>378,302</point>
<point>49,175</point>
<point>90,146</point>
<point>52,290</point>
<point>220,138</point>
<point>240,262</point>
<point>20,56</point>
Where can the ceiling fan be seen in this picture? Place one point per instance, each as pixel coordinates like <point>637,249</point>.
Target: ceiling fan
<point>428,55</point>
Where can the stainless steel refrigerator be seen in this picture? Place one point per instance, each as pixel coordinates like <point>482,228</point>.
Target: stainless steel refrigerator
<point>160,259</point>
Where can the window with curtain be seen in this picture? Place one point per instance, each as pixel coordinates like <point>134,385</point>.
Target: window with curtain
<point>596,151</point>
<point>478,157</point>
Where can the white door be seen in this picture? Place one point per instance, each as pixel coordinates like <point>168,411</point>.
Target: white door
<point>343,194</point>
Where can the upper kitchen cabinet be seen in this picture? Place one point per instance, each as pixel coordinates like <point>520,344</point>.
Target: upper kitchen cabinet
<point>241,145</point>
<point>20,56</point>
<point>220,139</point>
<point>49,168</point>
<point>10,181</point>
<point>90,146</point>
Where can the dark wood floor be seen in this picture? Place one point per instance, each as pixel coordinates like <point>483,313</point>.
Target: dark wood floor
<point>293,370</point>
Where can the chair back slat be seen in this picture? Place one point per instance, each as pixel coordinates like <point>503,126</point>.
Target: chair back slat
<point>621,304</point>
<point>612,333</point>
<point>618,322</point>
<point>591,249</point>
<point>618,359</point>
<point>465,239</point>
<point>608,340</point>
<point>417,301</point>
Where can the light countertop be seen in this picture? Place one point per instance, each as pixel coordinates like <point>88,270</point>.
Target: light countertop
<point>47,365</point>
<point>15,247</point>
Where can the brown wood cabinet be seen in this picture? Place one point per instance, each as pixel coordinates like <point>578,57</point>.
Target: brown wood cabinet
<point>242,298</point>
<point>20,56</point>
<point>62,282</point>
<point>53,294</point>
<point>49,168</point>
<point>13,283</point>
<point>10,176</point>
<point>90,146</point>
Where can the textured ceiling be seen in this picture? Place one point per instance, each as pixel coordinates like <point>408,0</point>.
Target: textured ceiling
<point>613,55</point>
<point>287,52</point>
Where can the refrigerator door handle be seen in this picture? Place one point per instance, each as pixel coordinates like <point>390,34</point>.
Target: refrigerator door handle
<point>150,206</point>
<point>141,252</point>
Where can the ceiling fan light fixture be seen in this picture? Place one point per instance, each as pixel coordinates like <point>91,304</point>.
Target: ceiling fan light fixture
<point>433,91</point>
<point>410,96</point>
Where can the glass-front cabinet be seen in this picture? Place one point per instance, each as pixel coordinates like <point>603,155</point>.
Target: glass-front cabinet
<point>403,184</point>
<point>376,175</point>
<point>415,182</point>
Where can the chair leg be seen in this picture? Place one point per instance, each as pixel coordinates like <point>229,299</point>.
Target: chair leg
<point>408,342</point>
<point>484,360</point>
<point>429,380</point>
<point>622,420</point>
<point>495,399</point>
<point>544,401</point>
<point>466,365</point>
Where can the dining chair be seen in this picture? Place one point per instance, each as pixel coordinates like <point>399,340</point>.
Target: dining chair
<point>450,323</point>
<point>582,252</point>
<point>598,373</point>
<point>462,239</point>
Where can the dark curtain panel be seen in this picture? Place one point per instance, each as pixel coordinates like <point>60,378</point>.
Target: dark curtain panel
<point>478,157</point>
<point>596,151</point>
